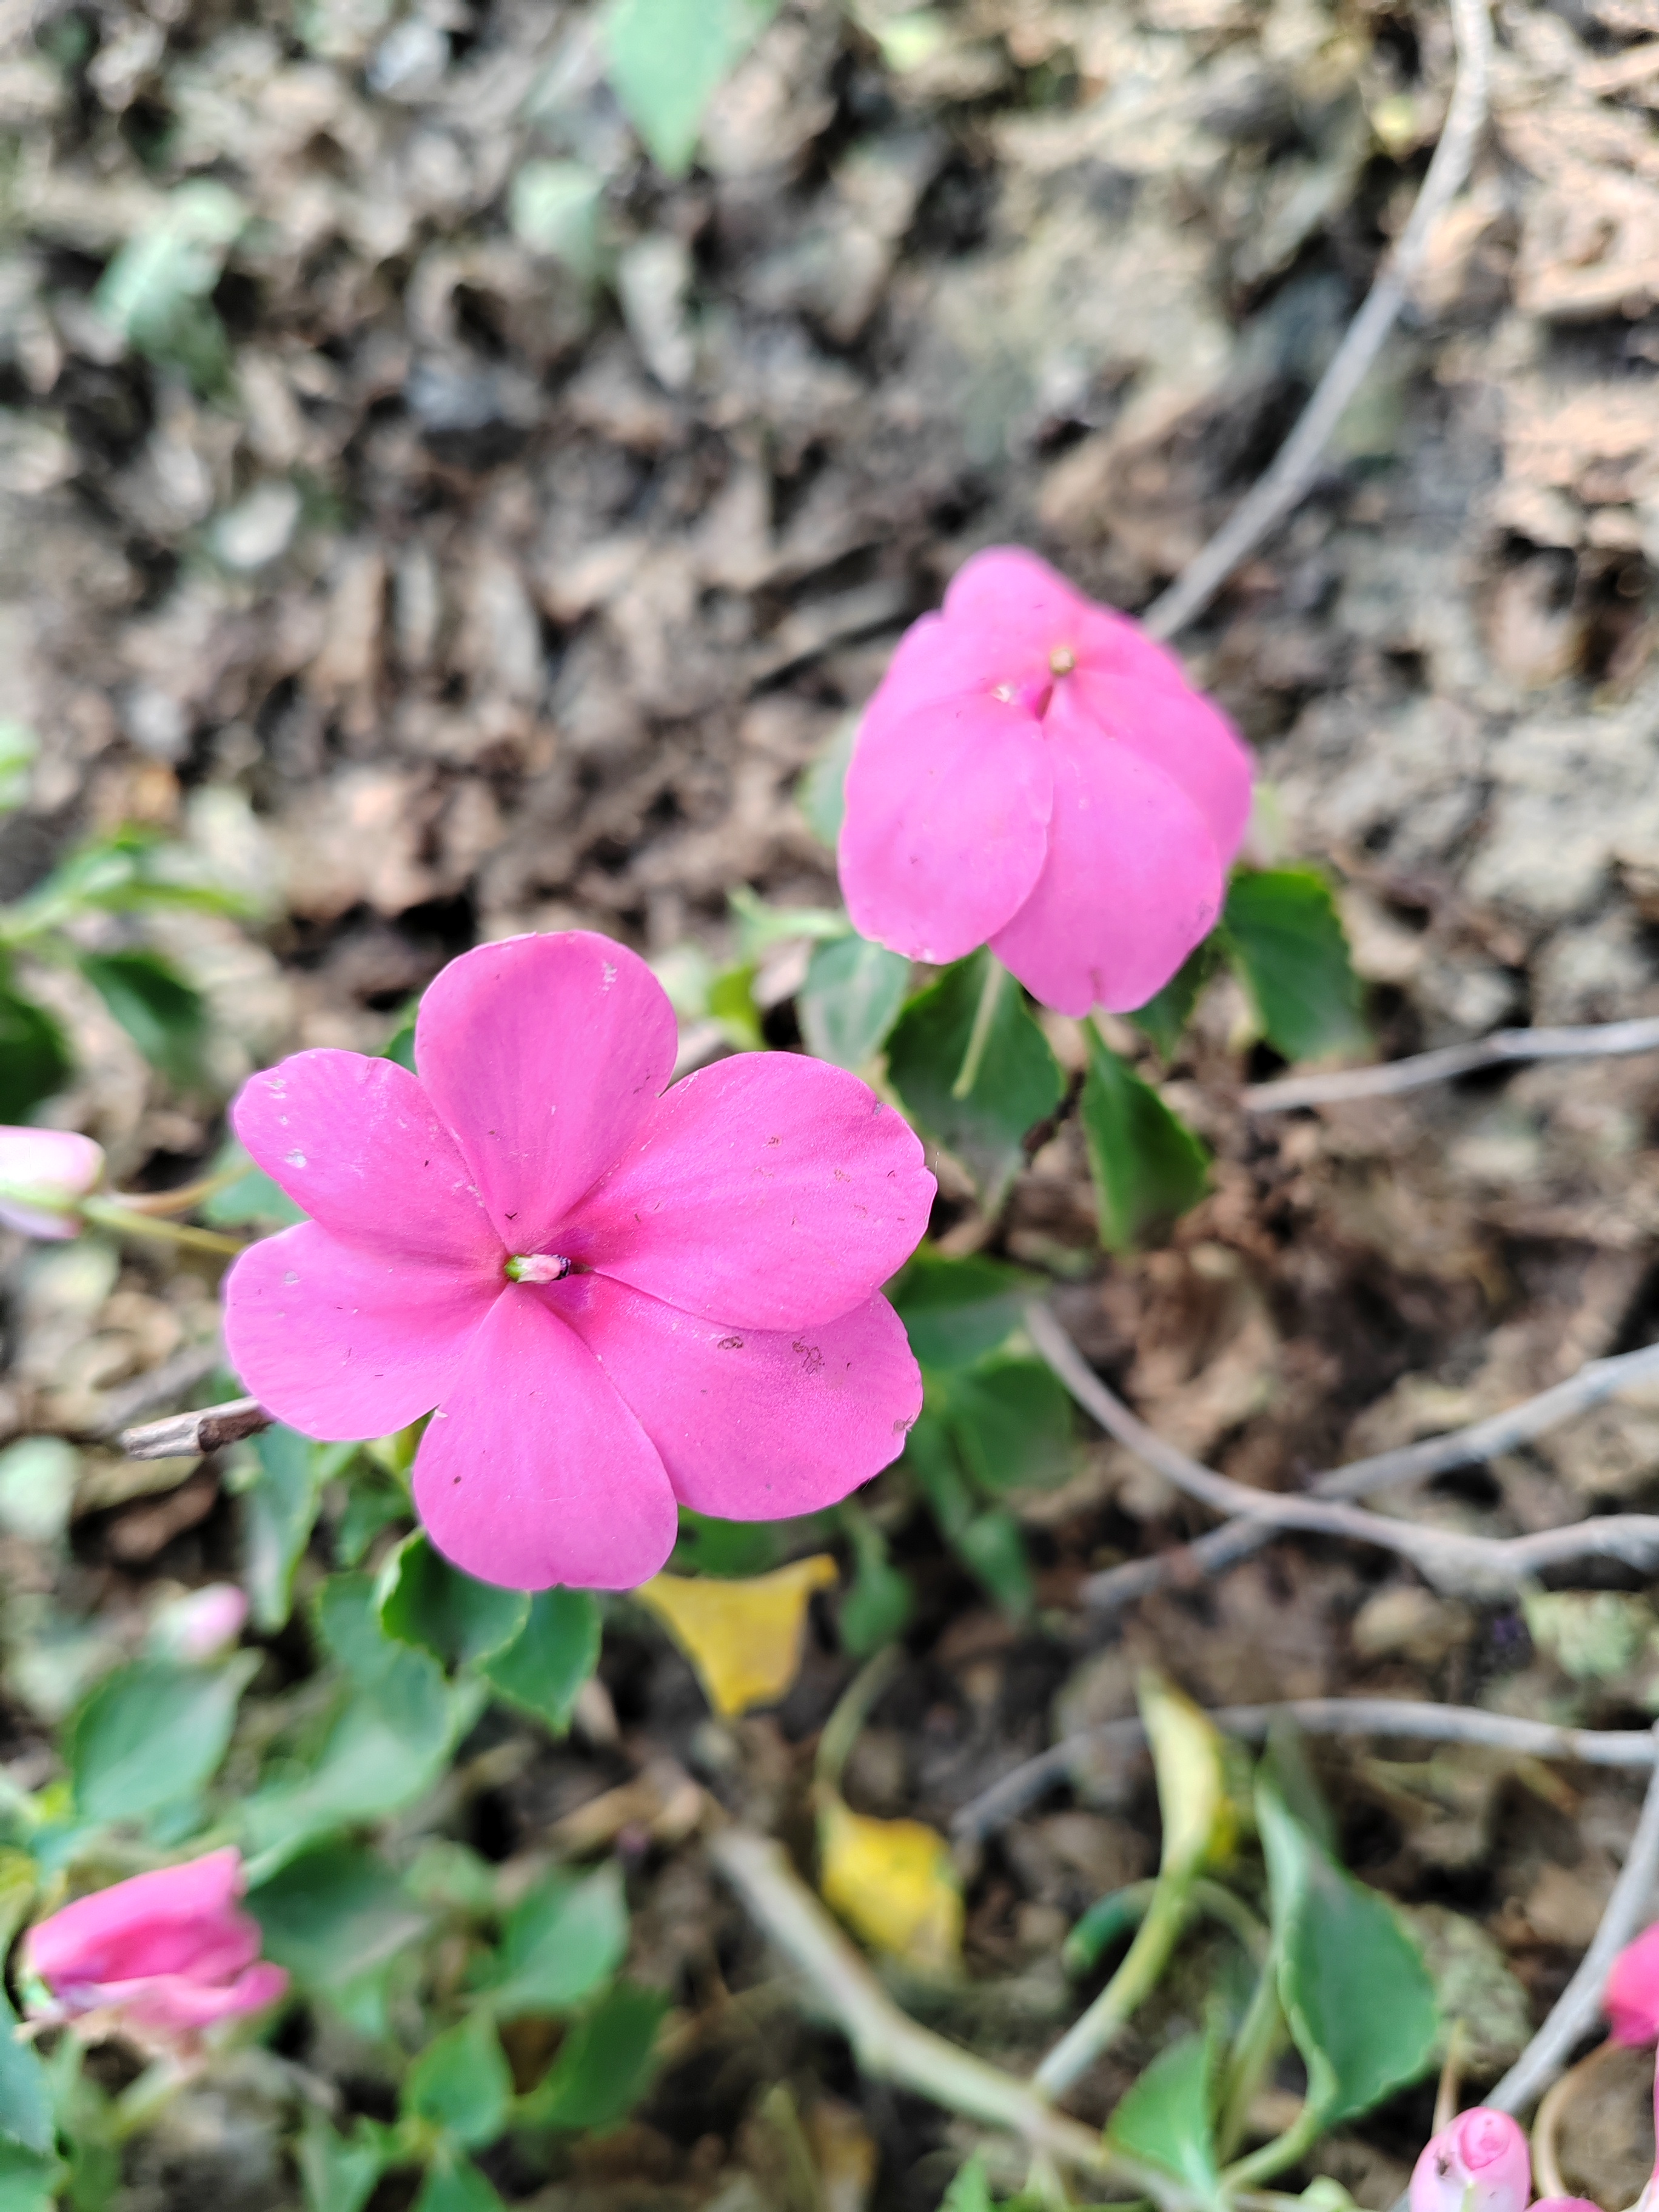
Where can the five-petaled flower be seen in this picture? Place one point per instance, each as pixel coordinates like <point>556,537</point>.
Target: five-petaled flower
<point>1035,772</point>
<point>619,1296</point>
<point>156,1959</point>
<point>42,1173</point>
<point>1480,2163</point>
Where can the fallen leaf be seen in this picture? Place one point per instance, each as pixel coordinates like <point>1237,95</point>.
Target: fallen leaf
<point>743,1638</point>
<point>894,1882</point>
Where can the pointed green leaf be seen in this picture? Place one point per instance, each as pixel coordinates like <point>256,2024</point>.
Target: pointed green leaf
<point>1165,2119</point>
<point>34,1059</point>
<point>333,1914</point>
<point>669,57</point>
<point>150,1734</point>
<point>1148,1167</point>
<point>542,1669</point>
<point>279,1494</point>
<point>970,2187</point>
<point>850,999</point>
<point>1015,1079</point>
<point>461,2082</point>
<point>821,794</point>
<point>1012,1421</point>
<point>455,2185</point>
<point>604,2064</point>
<point>1282,931</point>
<point>29,2182</point>
<point>560,1943</point>
<point>337,2173</point>
<point>1162,1018</point>
<point>165,1016</point>
<point>422,1600</point>
<point>955,1310</point>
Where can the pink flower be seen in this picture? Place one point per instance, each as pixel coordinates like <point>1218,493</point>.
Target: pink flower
<point>1034,772</point>
<point>1566,2204</point>
<point>1480,2163</point>
<point>159,1958</point>
<point>1630,1999</point>
<point>619,1296</point>
<point>198,1627</point>
<point>37,1164</point>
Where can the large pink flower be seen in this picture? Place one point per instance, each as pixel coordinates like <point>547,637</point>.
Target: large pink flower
<point>159,1958</point>
<point>1034,772</point>
<point>617,1296</point>
<point>1480,2163</point>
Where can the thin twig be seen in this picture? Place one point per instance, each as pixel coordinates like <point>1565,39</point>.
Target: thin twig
<point>173,1379</point>
<point>1579,2005</point>
<point>1394,1716</point>
<point>1597,1381</point>
<point>1503,1048</point>
<point>208,1430</point>
<point>887,2044</point>
<point>1293,467</point>
<point>1468,1565</point>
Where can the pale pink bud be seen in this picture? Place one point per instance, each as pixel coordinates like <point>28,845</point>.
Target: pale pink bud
<point>1478,2164</point>
<point>1566,2204</point>
<point>199,1627</point>
<point>42,1173</point>
<point>1630,1999</point>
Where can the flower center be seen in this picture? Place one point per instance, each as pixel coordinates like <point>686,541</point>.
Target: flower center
<point>537,1267</point>
<point>1062,660</point>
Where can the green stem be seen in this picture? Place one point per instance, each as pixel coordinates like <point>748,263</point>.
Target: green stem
<point>841,1730</point>
<point>1133,1982</point>
<point>142,2102</point>
<point>1260,2039</point>
<point>1284,2150</point>
<point>1114,1914</point>
<point>979,1036</point>
<point>108,1215</point>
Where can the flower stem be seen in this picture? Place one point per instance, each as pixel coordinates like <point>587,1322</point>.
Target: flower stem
<point>164,1202</point>
<point>841,1730</point>
<point>979,1036</point>
<point>1284,2150</point>
<point>108,1214</point>
<point>1133,1982</point>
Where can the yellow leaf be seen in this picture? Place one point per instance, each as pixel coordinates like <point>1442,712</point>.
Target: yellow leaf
<point>1190,1759</point>
<point>743,1638</point>
<point>893,1882</point>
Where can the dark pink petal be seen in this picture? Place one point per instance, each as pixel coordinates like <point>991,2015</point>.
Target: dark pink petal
<point>753,1424</point>
<point>1133,881</point>
<point>179,1919</point>
<point>769,1191</point>
<point>356,1142</point>
<point>543,1054</point>
<point>1016,606</point>
<point>340,1341</point>
<point>171,2007</point>
<point>533,1471</point>
<point>946,821</point>
<point>1181,732</point>
<point>1631,1997</point>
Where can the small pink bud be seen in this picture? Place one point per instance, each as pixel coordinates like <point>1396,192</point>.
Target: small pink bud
<point>42,1173</point>
<point>1478,2164</point>
<point>1566,2204</point>
<point>199,1627</point>
<point>1630,1999</point>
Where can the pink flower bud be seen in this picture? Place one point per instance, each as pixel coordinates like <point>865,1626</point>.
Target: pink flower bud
<point>157,1959</point>
<point>200,1626</point>
<point>1478,2164</point>
<point>1566,2204</point>
<point>1630,1999</point>
<point>42,1173</point>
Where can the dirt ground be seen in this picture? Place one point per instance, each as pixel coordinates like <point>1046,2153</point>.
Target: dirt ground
<point>491,599</point>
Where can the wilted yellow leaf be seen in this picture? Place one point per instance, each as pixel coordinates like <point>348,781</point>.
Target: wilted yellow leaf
<point>743,1638</point>
<point>1190,1759</point>
<point>893,1882</point>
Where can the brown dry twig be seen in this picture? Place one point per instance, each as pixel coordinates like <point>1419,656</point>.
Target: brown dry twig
<point>208,1430</point>
<point>1503,1048</point>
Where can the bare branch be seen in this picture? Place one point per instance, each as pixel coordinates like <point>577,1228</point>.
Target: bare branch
<point>1392,1716</point>
<point>173,1379</point>
<point>1591,1041</point>
<point>1293,468</point>
<point>1482,1566</point>
<point>209,1430</point>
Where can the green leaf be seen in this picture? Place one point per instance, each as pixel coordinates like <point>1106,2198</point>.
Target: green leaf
<point>333,1914</point>
<point>28,2181</point>
<point>542,1669</point>
<point>156,292</point>
<point>1015,1084</point>
<point>165,1016</point>
<point>18,748</point>
<point>560,1943</point>
<point>1335,1937</point>
<point>1162,1018</point>
<point>878,1607</point>
<point>604,2064</point>
<point>821,794</point>
<point>280,1494</point>
<point>1012,1421</point>
<point>669,57</point>
<point>992,1546</point>
<point>553,208</point>
<point>151,1735</point>
<point>25,2092</point>
<point>1148,1166</point>
<point>455,2185</point>
<point>252,1201</point>
<point>1165,2119</point>
<point>34,1059</point>
<point>850,999</point>
<point>421,1599</point>
<point>1281,930</point>
<point>461,2082</point>
<point>339,2172</point>
<point>731,1003</point>
<point>956,1311</point>
<point>970,2187</point>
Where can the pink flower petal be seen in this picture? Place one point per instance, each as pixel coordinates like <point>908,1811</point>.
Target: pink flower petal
<point>1015,606</point>
<point>172,2007</point>
<point>180,1919</point>
<point>753,1424</point>
<point>57,1161</point>
<point>533,1471</point>
<point>356,1142</point>
<point>946,821</point>
<point>769,1191</point>
<point>543,1054</point>
<point>1133,881</point>
<point>341,1341</point>
<point>1631,1997</point>
<point>1178,731</point>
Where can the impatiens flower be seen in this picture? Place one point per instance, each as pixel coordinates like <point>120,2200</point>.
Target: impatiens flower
<point>157,1959</point>
<point>42,1173</point>
<point>200,1627</point>
<point>1630,1999</point>
<point>1035,773</point>
<point>621,1298</point>
<point>1480,2163</point>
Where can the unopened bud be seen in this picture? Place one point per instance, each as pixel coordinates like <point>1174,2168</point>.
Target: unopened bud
<point>199,1627</point>
<point>1478,2164</point>
<point>43,1172</point>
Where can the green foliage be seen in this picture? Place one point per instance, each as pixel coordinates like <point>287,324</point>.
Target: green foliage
<point>157,292</point>
<point>974,1070</point>
<point>251,1201</point>
<point>18,748</point>
<point>568,1935</point>
<point>821,794</point>
<point>280,1482</point>
<point>1162,1018</point>
<point>337,2173</point>
<point>956,1311</point>
<point>460,2083</point>
<point>850,999</point>
<point>553,208</point>
<point>334,1913</point>
<point>1165,2119</point>
<point>421,1599</point>
<point>35,1058</point>
<point>604,2064</point>
<point>1010,1421</point>
<point>1282,931</point>
<point>542,1669</point>
<point>986,1539</point>
<point>28,2181</point>
<point>165,1016</point>
<point>453,2183</point>
<point>668,57</point>
<point>151,1735</point>
<point>1148,1167</point>
<point>877,1607</point>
